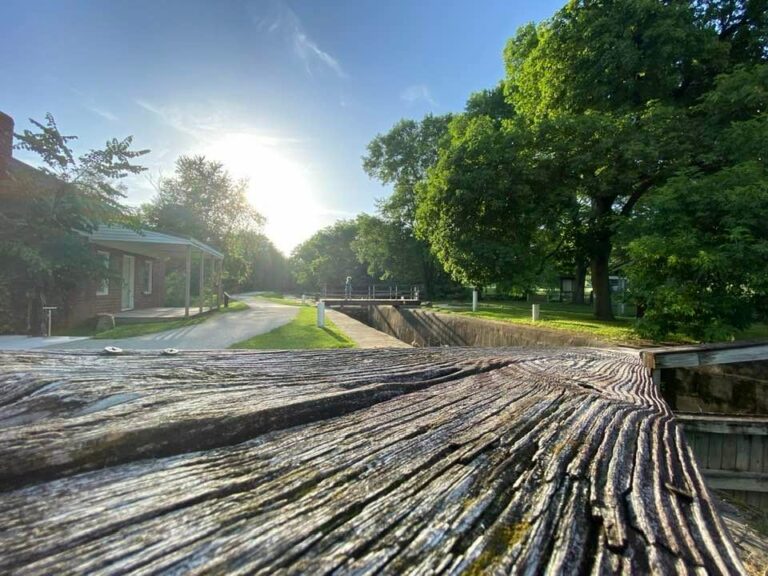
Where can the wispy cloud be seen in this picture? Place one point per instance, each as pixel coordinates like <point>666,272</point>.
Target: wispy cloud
<point>175,118</point>
<point>417,93</point>
<point>89,103</point>
<point>203,125</point>
<point>106,114</point>
<point>282,19</point>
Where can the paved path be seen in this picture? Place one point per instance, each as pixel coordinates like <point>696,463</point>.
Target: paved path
<point>32,342</point>
<point>362,335</point>
<point>218,331</point>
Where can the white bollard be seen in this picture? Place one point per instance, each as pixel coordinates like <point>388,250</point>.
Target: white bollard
<point>474,300</point>
<point>321,314</point>
<point>536,312</point>
<point>49,310</point>
<point>303,299</point>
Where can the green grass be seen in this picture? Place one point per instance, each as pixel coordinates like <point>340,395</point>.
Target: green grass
<point>568,317</point>
<point>139,329</point>
<point>301,333</point>
<point>577,318</point>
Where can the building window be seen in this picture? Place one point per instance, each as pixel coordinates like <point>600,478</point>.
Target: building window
<point>102,287</point>
<point>147,280</point>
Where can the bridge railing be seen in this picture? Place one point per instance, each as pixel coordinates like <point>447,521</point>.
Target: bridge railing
<point>371,292</point>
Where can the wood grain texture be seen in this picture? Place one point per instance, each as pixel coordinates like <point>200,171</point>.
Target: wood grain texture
<point>385,461</point>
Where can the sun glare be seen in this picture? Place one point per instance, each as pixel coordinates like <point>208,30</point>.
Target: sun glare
<point>279,186</point>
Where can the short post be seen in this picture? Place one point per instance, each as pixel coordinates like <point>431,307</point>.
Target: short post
<point>321,314</point>
<point>187,280</point>
<point>303,299</point>
<point>201,296</point>
<point>536,312</point>
<point>474,300</point>
<point>49,310</point>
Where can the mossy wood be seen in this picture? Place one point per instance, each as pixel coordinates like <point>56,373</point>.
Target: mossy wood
<point>354,461</point>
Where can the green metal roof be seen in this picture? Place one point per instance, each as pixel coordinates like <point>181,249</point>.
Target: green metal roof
<point>148,242</point>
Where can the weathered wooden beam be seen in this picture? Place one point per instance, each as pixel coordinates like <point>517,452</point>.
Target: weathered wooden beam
<point>391,461</point>
<point>730,480</point>
<point>704,355</point>
<point>751,426</point>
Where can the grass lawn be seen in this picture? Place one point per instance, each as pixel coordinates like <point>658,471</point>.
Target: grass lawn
<point>139,329</point>
<point>555,315</point>
<point>576,318</point>
<point>301,333</point>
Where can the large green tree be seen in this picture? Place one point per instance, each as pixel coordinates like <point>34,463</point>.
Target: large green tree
<point>605,102</point>
<point>44,214</point>
<point>326,259</point>
<point>698,246</point>
<point>480,209</point>
<point>202,200</point>
<point>401,158</point>
<point>389,250</point>
<point>254,263</point>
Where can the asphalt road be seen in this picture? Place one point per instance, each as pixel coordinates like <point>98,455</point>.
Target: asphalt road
<point>218,331</point>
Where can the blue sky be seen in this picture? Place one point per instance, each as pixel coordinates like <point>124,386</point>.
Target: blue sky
<point>284,93</point>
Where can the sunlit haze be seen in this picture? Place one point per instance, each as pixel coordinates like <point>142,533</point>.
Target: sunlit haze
<point>284,93</point>
<point>279,186</point>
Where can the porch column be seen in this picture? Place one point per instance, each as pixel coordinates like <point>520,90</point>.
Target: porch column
<point>218,284</point>
<point>187,277</point>
<point>202,280</point>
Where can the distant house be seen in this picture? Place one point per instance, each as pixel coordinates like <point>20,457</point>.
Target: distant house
<point>136,260</point>
<point>137,263</point>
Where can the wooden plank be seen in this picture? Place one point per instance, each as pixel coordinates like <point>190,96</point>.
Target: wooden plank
<point>729,452</point>
<point>355,461</point>
<point>703,355</point>
<point>726,425</point>
<point>730,480</point>
<point>756,447</point>
<point>743,451</point>
<point>715,458</point>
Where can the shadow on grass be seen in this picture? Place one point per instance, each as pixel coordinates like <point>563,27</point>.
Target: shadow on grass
<point>335,335</point>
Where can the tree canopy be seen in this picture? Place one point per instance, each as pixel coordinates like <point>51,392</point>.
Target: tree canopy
<point>202,200</point>
<point>45,212</point>
<point>604,104</point>
<point>327,258</point>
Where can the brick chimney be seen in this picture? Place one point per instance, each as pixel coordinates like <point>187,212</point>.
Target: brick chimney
<point>6,136</point>
<point>6,148</point>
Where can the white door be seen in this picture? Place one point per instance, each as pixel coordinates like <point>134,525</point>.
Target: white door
<point>129,281</point>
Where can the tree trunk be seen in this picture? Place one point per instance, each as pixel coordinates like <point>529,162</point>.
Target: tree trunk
<point>578,287</point>
<point>600,281</point>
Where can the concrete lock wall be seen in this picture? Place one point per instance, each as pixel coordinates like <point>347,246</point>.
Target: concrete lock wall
<point>424,328</point>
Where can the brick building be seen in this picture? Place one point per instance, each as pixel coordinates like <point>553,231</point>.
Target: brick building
<point>136,260</point>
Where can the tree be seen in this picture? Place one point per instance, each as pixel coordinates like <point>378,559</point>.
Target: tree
<point>401,157</point>
<point>254,263</point>
<point>327,258</point>
<point>698,245</point>
<point>389,250</point>
<point>479,209</point>
<point>602,112</point>
<point>202,200</point>
<point>44,214</point>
